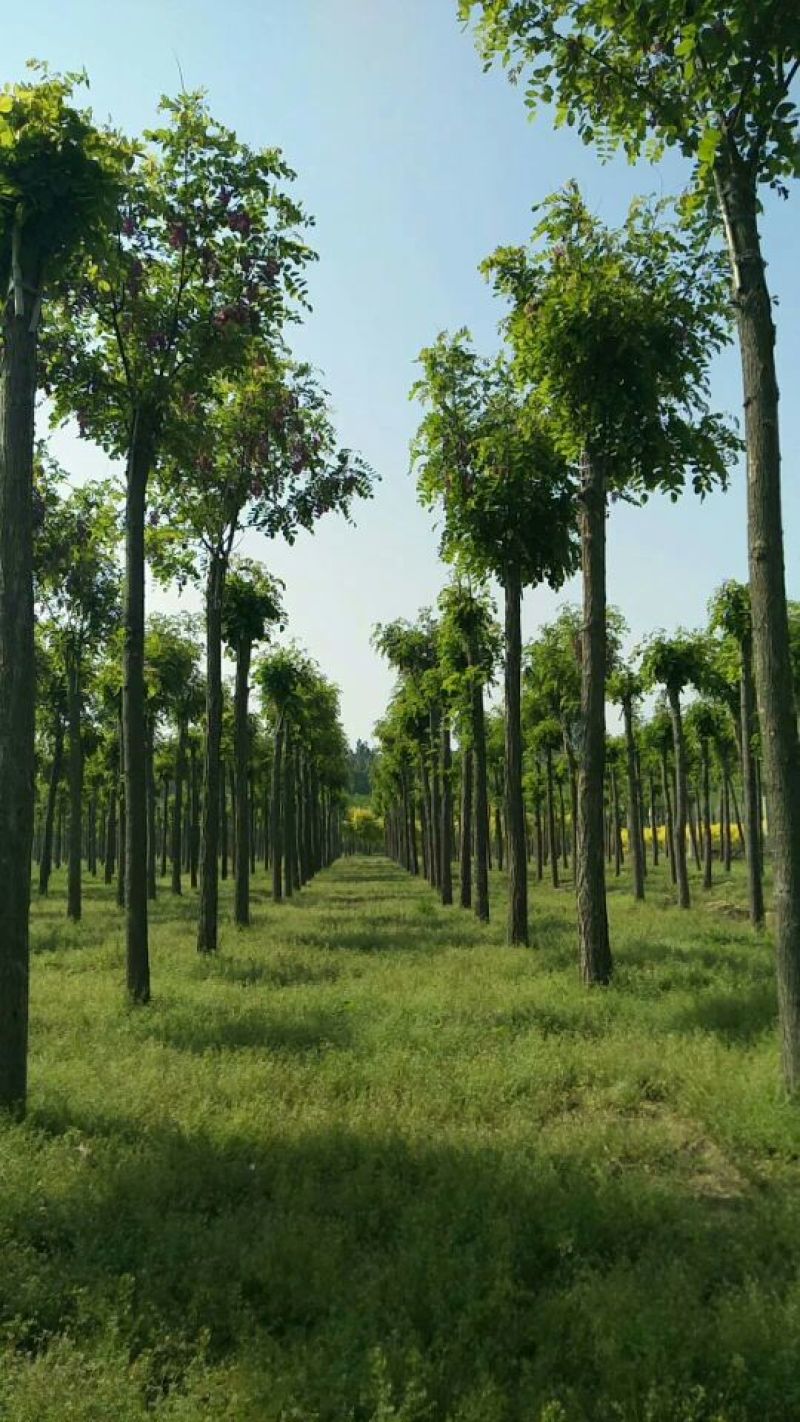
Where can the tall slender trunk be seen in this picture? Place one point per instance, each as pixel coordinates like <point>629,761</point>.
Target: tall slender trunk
<point>752,816</point>
<point>726,820</point>
<point>446,833</point>
<point>736,185</point>
<point>134,729</point>
<point>207,923</point>
<point>668,822</point>
<point>465,850</point>
<point>436,798</point>
<point>517,925</point>
<point>276,817</point>
<point>92,834</point>
<point>223,820</point>
<point>708,849</point>
<point>653,821</point>
<point>193,836</point>
<point>596,964</point>
<point>46,861</point>
<point>679,829</point>
<point>177,809</point>
<point>111,837</point>
<point>552,848</point>
<point>635,840</point>
<point>17,678</point>
<point>241,750</point>
<point>164,824</point>
<point>481,807</point>
<point>289,839</point>
<point>75,786</point>
<point>615,823</point>
<point>152,846</point>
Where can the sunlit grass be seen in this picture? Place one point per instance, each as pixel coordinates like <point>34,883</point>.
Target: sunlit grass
<point>369,1163</point>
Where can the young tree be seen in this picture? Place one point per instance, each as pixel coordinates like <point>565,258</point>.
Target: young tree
<point>58,178</point>
<point>716,81</point>
<point>626,688</point>
<point>675,663</point>
<point>77,584</point>
<point>206,253</point>
<point>730,614</point>
<point>614,331</point>
<point>264,452</point>
<point>251,604</point>
<point>486,455</point>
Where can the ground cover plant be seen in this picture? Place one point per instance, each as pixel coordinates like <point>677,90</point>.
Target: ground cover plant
<point>369,1161</point>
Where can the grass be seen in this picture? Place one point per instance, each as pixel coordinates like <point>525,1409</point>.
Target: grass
<point>371,1165</point>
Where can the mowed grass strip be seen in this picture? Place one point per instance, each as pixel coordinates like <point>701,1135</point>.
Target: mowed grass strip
<point>369,1163</point>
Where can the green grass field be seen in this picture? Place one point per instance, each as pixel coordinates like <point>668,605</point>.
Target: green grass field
<point>371,1164</point>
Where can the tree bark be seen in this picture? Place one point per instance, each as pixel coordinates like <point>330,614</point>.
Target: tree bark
<point>752,816</point>
<point>446,833</point>
<point>736,184</point>
<point>552,847</point>
<point>596,964</point>
<point>75,786</point>
<point>177,810</point>
<point>635,838</point>
<point>17,686</point>
<point>207,923</point>
<point>481,806</point>
<point>46,861</point>
<point>517,925</point>
<point>152,843</point>
<point>276,818</point>
<point>679,827</point>
<point>134,728</point>
<point>465,850</point>
<point>241,750</point>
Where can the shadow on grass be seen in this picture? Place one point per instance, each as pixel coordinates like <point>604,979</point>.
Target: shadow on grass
<point>479,1274</point>
<point>217,1029</point>
<point>740,1017</point>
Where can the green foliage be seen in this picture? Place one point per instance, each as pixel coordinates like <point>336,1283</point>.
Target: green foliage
<point>251,603</point>
<point>615,330</point>
<point>485,453</point>
<point>711,79</point>
<point>60,178</point>
<point>76,568</point>
<point>675,662</point>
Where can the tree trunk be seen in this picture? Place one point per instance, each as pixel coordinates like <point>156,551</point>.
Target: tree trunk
<point>207,923</point>
<point>111,837</point>
<point>708,848</point>
<point>635,839</point>
<point>552,848</point>
<point>669,836</point>
<point>75,787</point>
<point>436,798</point>
<point>46,861</point>
<point>177,810</point>
<point>276,818</point>
<point>752,815</point>
<point>152,846</point>
<point>241,733</point>
<point>679,831</point>
<point>164,825</point>
<point>446,833</point>
<point>654,821</point>
<point>481,807</point>
<point>517,925</point>
<point>17,684</point>
<point>134,729</point>
<point>771,649</point>
<point>593,940</point>
<point>465,850</point>
<point>193,837</point>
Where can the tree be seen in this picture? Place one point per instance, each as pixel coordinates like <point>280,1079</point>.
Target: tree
<point>251,604</point>
<point>614,330</point>
<point>58,178</point>
<point>675,663</point>
<point>206,253</point>
<point>717,82</point>
<point>263,450</point>
<point>77,584</point>
<point>626,688</point>
<point>486,455</point>
<point>729,611</point>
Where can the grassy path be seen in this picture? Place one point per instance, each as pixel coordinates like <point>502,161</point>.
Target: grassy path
<point>369,1164</point>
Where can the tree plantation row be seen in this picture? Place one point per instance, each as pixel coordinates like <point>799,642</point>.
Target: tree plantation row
<point>685,782</point>
<point>151,286</point>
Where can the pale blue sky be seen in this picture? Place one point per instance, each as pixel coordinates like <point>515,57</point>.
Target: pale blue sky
<point>416,165</point>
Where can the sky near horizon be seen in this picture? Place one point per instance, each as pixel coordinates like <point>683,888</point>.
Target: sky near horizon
<point>415,165</point>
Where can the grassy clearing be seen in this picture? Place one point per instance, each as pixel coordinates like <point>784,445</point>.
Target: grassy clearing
<point>369,1164</point>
